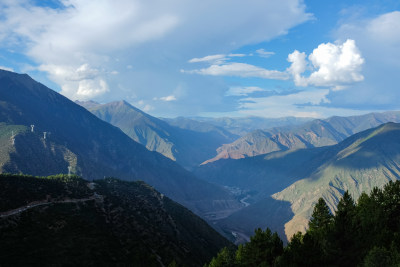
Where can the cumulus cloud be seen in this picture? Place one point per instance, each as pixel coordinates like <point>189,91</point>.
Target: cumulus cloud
<point>89,88</point>
<point>330,65</point>
<point>84,72</point>
<point>298,66</point>
<point>243,91</point>
<point>240,70</point>
<point>83,82</point>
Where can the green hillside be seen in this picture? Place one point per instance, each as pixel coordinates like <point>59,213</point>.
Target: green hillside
<point>102,223</point>
<point>365,232</point>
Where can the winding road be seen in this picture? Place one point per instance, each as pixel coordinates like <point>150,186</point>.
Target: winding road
<point>45,202</point>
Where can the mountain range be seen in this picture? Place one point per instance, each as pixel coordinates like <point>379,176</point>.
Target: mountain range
<point>78,141</point>
<point>189,145</point>
<point>240,125</point>
<point>284,186</point>
<point>267,178</point>
<point>315,133</point>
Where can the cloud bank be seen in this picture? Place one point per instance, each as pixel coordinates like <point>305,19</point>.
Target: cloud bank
<point>86,46</point>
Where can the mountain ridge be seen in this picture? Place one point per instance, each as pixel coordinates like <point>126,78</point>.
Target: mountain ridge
<point>92,147</point>
<point>316,133</point>
<point>360,162</point>
<point>189,146</point>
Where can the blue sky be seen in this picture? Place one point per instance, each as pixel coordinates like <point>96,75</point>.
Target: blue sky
<point>211,58</point>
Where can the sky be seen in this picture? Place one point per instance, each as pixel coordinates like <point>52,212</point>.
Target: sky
<point>224,58</point>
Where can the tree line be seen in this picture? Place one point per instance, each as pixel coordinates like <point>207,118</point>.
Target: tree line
<point>362,233</point>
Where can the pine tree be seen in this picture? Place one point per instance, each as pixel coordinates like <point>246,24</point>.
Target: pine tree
<point>344,231</point>
<point>321,218</point>
<point>316,241</point>
<point>262,250</point>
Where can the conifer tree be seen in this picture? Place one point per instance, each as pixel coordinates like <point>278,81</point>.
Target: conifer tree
<point>321,218</point>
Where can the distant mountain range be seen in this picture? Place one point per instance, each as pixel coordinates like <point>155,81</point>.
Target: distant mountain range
<point>315,133</point>
<point>284,186</point>
<point>189,145</point>
<point>78,141</point>
<point>67,221</point>
<point>241,126</point>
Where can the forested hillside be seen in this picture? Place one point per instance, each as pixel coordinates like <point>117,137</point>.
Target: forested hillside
<point>362,233</point>
<point>63,220</point>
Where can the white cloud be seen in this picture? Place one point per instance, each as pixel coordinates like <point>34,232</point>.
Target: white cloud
<point>84,72</point>
<point>243,91</point>
<point>147,108</point>
<point>156,37</point>
<point>385,28</point>
<point>168,98</point>
<point>83,82</point>
<point>215,59</point>
<point>211,58</point>
<point>88,89</point>
<point>143,106</point>
<point>237,55</point>
<point>331,65</point>
<point>299,104</point>
<point>378,39</point>
<point>6,68</point>
<point>298,66</point>
<point>262,53</point>
<point>240,70</point>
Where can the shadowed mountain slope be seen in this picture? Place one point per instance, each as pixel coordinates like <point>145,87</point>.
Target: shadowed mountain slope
<point>189,147</point>
<point>90,146</point>
<point>239,126</point>
<point>358,164</point>
<point>291,182</point>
